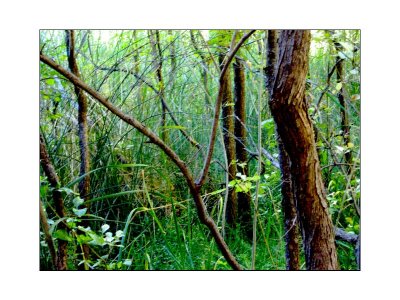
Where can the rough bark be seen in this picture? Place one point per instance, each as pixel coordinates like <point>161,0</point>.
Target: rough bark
<point>243,198</point>
<point>84,184</point>
<point>194,186</point>
<point>47,166</point>
<point>228,129</point>
<point>288,204</point>
<point>294,126</point>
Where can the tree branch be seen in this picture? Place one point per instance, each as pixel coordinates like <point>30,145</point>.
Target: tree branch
<point>203,175</point>
<point>201,208</point>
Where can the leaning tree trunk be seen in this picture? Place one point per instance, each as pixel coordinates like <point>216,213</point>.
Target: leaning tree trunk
<point>84,184</point>
<point>47,166</point>
<point>294,126</point>
<point>288,204</point>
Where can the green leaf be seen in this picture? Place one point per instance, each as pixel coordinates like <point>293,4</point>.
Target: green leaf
<point>79,212</point>
<point>216,192</point>
<point>127,262</point>
<point>67,191</point>
<point>83,239</point>
<point>77,201</point>
<point>62,235</point>
<point>105,227</point>
<point>338,86</point>
<point>50,81</point>
<point>96,239</point>
<point>109,238</point>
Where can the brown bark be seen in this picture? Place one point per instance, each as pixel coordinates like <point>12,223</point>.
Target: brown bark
<point>288,203</point>
<point>84,184</point>
<point>203,175</point>
<point>243,199</point>
<point>228,130</point>
<point>194,186</point>
<point>294,126</point>
<point>47,236</point>
<point>61,262</point>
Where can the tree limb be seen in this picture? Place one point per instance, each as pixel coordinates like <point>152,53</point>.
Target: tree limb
<point>200,181</point>
<point>201,208</point>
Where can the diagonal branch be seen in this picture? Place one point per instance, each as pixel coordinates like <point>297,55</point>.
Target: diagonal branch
<point>200,181</point>
<point>201,208</point>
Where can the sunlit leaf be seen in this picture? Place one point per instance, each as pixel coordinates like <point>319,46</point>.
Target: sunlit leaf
<point>62,235</point>
<point>79,212</point>
<point>105,227</point>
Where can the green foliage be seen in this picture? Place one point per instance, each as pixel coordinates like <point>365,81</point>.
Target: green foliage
<point>141,213</point>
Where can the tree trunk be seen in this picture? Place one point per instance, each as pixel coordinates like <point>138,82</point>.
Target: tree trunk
<point>348,157</point>
<point>84,184</point>
<point>243,198</point>
<point>228,128</point>
<point>157,54</point>
<point>289,109</point>
<point>61,262</point>
<point>292,238</point>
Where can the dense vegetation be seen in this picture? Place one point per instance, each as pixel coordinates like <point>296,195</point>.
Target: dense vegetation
<point>117,202</point>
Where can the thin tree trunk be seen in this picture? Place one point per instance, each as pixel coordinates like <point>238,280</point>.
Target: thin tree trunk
<point>61,263</point>
<point>228,129</point>
<point>84,184</point>
<point>294,126</point>
<point>47,235</point>
<point>348,156</point>
<point>157,54</point>
<point>243,198</point>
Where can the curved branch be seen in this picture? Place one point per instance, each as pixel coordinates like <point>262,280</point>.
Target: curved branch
<point>201,208</point>
<point>200,181</point>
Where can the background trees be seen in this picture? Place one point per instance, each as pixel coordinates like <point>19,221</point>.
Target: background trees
<point>140,192</point>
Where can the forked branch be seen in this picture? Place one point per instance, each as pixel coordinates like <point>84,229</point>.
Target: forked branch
<point>201,208</point>
<point>200,181</point>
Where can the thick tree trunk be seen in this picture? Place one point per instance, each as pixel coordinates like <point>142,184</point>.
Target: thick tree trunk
<point>228,128</point>
<point>84,184</point>
<point>243,198</point>
<point>61,262</point>
<point>292,238</point>
<point>294,126</point>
